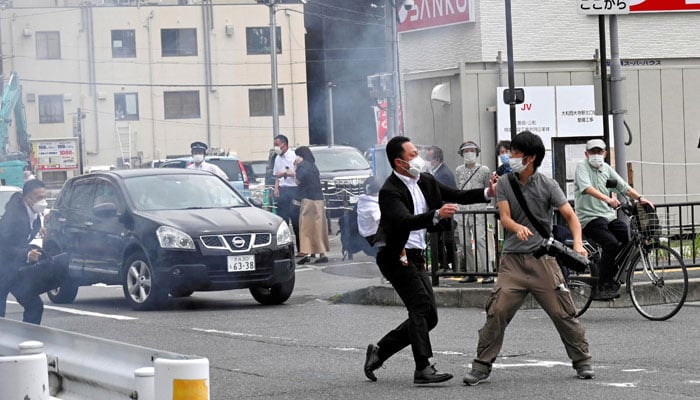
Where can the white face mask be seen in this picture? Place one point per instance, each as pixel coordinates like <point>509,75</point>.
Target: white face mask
<point>469,157</point>
<point>198,158</point>
<point>40,206</point>
<point>415,166</point>
<point>596,160</point>
<point>278,150</point>
<point>516,164</point>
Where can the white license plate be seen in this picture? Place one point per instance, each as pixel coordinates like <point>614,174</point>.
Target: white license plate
<point>241,263</point>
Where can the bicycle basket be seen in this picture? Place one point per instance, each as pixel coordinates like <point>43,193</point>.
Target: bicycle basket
<point>648,221</point>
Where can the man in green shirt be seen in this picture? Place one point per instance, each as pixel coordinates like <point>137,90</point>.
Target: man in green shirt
<point>595,208</point>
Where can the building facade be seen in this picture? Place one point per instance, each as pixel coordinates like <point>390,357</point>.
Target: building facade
<point>554,46</point>
<point>139,81</point>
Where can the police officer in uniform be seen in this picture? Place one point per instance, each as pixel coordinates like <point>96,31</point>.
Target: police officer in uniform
<point>199,150</point>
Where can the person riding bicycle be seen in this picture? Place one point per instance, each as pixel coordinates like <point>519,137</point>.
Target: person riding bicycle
<point>595,209</point>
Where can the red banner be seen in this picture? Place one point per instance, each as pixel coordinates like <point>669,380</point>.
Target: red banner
<point>639,6</point>
<point>427,14</point>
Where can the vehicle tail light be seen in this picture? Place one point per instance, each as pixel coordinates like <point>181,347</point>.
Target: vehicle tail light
<point>246,182</point>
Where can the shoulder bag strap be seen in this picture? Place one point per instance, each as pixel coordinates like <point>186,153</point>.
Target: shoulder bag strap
<point>470,177</point>
<point>523,205</point>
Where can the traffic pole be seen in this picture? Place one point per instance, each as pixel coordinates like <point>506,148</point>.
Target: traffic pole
<point>26,375</point>
<point>181,379</point>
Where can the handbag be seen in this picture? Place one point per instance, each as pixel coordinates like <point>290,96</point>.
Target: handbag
<point>566,256</point>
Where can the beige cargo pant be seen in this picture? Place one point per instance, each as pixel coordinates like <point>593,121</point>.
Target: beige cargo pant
<point>518,275</point>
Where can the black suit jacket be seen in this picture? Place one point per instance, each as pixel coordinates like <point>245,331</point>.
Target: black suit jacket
<point>398,220</point>
<point>445,176</point>
<point>15,236</point>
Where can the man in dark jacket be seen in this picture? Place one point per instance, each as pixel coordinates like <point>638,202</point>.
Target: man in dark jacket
<point>412,202</point>
<point>446,239</point>
<point>18,226</point>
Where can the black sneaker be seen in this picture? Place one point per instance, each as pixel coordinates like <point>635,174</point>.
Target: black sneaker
<point>585,372</point>
<point>372,362</point>
<point>473,377</point>
<point>606,292</point>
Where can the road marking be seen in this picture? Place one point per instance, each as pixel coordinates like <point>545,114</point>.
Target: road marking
<point>87,313</point>
<point>622,384</point>
<point>241,334</point>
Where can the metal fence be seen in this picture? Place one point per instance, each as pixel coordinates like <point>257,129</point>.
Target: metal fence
<point>679,226</point>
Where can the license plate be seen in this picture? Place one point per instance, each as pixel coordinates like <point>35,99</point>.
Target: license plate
<point>241,263</point>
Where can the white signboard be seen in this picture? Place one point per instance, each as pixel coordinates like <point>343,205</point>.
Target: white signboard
<point>576,112</point>
<point>536,114</point>
<point>603,7</point>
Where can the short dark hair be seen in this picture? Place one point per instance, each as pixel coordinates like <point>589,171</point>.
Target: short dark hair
<point>305,153</point>
<point>502,143</point>
<point>394,149</point>
<point>31,185</point>
<point>282,139</point>
<point>437,153</point>
<point>531,145</point>
<point>372,185</point>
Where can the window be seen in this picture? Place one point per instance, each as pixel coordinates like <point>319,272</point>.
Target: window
<point>179,105</point>
<point>260,102</point>
<point>178,42</point>
<point>48,45</point>
<point>51,109</point>
<point>126,106</point>
<point>258,40</point>
<point>123,43</point>
<point>81,197</point>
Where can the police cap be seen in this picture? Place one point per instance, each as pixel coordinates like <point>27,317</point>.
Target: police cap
<point>198,146</point>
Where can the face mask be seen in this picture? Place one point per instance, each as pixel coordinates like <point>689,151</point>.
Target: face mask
<point>415,166</point>
<point>596,160</point>
<point>198,158</point>
<point>516,164</point>
<point>40,206</point>
<point>278,150</point>
<point>505,158</point>
<point>469,157</point>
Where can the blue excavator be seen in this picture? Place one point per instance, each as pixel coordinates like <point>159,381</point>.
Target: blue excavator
<point>13,156</point>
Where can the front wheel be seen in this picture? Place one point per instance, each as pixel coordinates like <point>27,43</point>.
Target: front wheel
<point>64,294</point>
<point>277,294</point>
<point>658,282</point>
<point>581,286</point>
<point>141,288</point>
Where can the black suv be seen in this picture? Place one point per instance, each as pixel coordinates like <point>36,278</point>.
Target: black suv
<point>343,172</point>
<point>167,231</point>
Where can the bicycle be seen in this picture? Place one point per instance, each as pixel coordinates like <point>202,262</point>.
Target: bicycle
<point>655,276</point>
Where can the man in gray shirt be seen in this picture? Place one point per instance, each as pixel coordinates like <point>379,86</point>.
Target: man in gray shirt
<point>520,272</point>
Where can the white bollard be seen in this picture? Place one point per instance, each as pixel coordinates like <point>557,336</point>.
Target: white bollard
<point>25,376</point>
<point>182,379</point>
<point>145,383</point>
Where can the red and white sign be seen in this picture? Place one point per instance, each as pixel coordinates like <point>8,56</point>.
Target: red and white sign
<point>427,14</point>
<point>640,6</point>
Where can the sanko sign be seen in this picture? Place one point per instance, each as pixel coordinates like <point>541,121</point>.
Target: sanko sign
<point>640,6</point>
<point>427,14</point>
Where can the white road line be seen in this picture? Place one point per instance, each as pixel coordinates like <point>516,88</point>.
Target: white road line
<point>87,313</point>
<point>622,384</point>
<point>241,334</point>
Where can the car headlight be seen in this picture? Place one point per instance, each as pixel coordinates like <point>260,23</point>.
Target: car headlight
<point>283,234</point>
<point>171,238</point>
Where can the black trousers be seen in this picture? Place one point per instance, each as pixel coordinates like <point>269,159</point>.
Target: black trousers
<point>610,236</point>
<point>27,294</point>
<point>412,283</point>
<point>287,210</point>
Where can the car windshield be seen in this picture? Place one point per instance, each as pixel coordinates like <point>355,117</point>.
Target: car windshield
<point>181,192</point>
<point>343,160</point>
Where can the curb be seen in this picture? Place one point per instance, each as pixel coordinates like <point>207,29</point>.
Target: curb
<point>475,297</point>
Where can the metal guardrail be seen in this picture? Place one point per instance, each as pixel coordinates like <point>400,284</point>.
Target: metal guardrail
<point>679,226</point>
<point>85,367</point>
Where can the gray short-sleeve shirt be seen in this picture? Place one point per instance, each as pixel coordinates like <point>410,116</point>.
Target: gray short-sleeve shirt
<point>542,195</point>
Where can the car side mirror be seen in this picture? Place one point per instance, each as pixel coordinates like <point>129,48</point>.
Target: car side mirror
<point>255,202</point>
<point>105,210</point>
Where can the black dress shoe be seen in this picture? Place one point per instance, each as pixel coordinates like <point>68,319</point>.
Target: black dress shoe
<point>304,260</point>
<point>321,260</point>
<point>430,375</point>
<point>372,362</point>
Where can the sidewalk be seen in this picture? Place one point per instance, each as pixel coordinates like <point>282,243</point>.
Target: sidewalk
<point>450,293</point>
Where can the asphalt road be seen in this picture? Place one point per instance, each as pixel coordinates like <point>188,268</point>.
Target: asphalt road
<point>312,348</point>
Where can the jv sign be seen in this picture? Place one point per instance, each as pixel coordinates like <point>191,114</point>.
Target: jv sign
<point>427,14</point>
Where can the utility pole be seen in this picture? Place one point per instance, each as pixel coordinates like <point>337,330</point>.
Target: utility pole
<point>392,58</point>
<point>78,132</point>
<point>331,133</point>
<point>272,5</point>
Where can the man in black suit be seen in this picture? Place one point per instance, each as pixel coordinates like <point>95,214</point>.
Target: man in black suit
<point>446,239</point>
<point>412,202</point>
<point>18,226</point>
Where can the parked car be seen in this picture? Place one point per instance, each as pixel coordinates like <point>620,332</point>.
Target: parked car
<point>257,171</point>
<point>231,165</point>
<point>167,231</point>
<point>343,172</point>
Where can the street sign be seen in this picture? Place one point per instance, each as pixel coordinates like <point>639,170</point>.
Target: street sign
<point>603,7</point>
<point>643,6</point>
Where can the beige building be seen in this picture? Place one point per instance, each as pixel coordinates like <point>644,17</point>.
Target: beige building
<point>151,77</point>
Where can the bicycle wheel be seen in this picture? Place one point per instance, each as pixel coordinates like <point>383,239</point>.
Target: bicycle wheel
<point>657,280</point>
<point>581,285</point>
